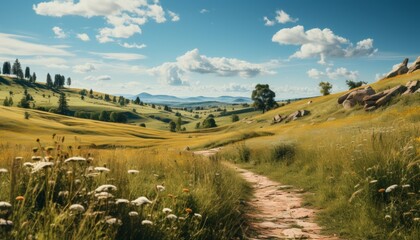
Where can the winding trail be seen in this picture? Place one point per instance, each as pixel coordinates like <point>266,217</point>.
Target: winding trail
<point>277,211</point>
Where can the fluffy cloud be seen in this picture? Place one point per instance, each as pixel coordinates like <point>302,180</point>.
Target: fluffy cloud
<point>173,73</point>
<point>268,22</point>
<point>234,87</point>
<point>174,16</point>
<point>202,11</point>
<point>120,56</point>
<point>322,43</point>
<point>83,36</point>
<point>14,45</point>
<point>98,78</point>
<point>59,33</point>
<point>333,73</point>
<point>134,45</point>
<point>283,17</point>
<point>85,68</point>
<point>124,16</point>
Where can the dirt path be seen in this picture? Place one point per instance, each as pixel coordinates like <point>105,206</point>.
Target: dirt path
<point>277,209</point>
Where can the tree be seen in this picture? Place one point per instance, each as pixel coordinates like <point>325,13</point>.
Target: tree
<point>235,118</point>
<point>137,101</point>
<point>107,98</point>
<point>172,126</point>
<point>17,69</point>
<point>91,92</point>
<point>63,107</point>
<point>114,99</point>
<point>6,102</point>
<point>68,81</point>
<point>10,101</point>
<point>209,123</point>
<point>27,73</point>
<point>6,68</point>
<point>34,77</point>
<point>263,97</point>
<point>104,116</point>
<point>178,124</point>
<point>49,81</point>
<point>353,84</point>
<point>325,88</point>
<point>24,103</point>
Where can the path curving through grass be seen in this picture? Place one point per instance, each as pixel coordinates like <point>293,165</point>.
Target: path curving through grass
<point>276,211</point>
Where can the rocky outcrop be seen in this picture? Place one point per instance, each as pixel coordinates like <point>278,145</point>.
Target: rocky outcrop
<point>291,117</point>
<point>355,97</point>
<point>399,70</point>
<point>415,66</point>
<point>371,100</point>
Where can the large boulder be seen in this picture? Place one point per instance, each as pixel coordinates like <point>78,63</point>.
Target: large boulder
<point>357,96</point>
<point>415,66</point>
<point>400,69</point>
<point>391,93</point>
<point>412,87</point>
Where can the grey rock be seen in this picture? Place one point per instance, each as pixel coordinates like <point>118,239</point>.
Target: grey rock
<point>400,69</point>
<point>415,66</point>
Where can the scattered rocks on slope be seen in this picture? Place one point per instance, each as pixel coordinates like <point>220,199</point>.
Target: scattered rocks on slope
<point>372,100</point>
<point>291,117</point>
<point>415,66</point>
<point>399,70</point>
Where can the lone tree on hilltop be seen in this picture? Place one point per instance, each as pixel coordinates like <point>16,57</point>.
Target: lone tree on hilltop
<point>137,101</point>
<point>33,77</point>
<point>263,97</point>
<point>63,107</point>
<point>325,88</point>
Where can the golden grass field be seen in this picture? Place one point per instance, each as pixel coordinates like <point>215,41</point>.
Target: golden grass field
<point>331,150</point>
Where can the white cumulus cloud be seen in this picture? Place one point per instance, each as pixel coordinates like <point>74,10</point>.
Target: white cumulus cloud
<point>84,68</point>
<point>321,43</point>
<point>333,74</point>
<point>283,17</point>
<point>83,36</point>
<point>124,17</point>
<point>59,33</point>
<point>268,22</point>
<point>173,73</point>
<point>202,11</point>
<point>174,16</point>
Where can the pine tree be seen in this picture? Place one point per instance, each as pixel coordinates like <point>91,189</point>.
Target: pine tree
<point>10,101</point>
<point>24,103</point>
<point>49,81</point>
<point>33,77</point>
<point>17,69</point>
<point>68,81</point>
<point>114,99</point>
<point>27,73</point>
<point>63,108</point>
<point>137,101</point>
<point>6,68</point>
<point>178,124</point>
<point>91,92</point>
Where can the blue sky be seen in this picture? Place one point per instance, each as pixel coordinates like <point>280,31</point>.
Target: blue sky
<point>209,47</point>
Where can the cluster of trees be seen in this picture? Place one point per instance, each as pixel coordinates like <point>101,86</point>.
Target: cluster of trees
<point>59,81</point>
<point>16,69</point>
<point>26,100</point>
<point>105,116</point>
<point>209,122</point>
<point>176,126</point>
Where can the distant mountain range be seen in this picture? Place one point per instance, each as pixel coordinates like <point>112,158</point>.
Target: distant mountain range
<point>172,100</point>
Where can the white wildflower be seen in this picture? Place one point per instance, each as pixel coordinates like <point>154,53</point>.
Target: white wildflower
<point>171,217</point>
<point>77,208</point>
<point>75,159</point>
<point>4,222</point>
<point>167,210</point>
<point>122,201</point>
<point>160,188</point>
<point>106,188</point>
<point>197,215</point>
<point>101,169</point>
<point>3,170</point>
<point>5,205</point>
<point>405,186</point>
<point>132,171</point>
<point>113,221</point>
<point>373,181</point>
<point>140,201</point>
<point>41,165</point>
<point>133,214</point>
<point>28,164</point>
<point>391,188</point>
<point>146,222</point>
<point>103,195</point>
